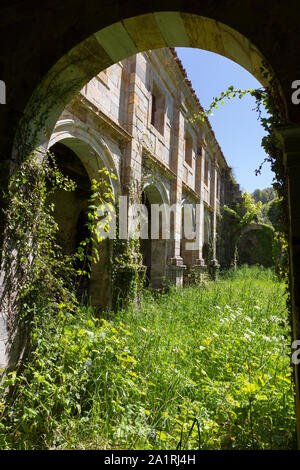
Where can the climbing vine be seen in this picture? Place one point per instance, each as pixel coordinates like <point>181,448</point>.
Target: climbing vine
<point>45,278</point>
<point>42,273</point>
<point>127,268</point>
<point>100,219</point>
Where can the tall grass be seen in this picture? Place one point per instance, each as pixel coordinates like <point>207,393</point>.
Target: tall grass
<point>204,368</point>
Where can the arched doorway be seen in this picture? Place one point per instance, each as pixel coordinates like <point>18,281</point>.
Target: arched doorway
<point>256,245</point>
<point>79,161</point>
<point>69,207</point>
<point>70,210</point>
<point>154,250</point>
<point>123,33</point>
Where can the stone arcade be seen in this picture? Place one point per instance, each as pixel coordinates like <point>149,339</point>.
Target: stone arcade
<point>135,118</point>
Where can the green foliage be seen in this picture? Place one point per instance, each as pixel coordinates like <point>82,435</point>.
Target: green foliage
<point>275,210</point>
<point>43,274</point>
<point>245,211</point>
<point>217,358</point>
<point>101,207</point>
<point>80,370</point>
<point>271,213</point>
<point>264,195</point>
<point>206,368</point>
<point>270,100</point>
<point>269,244</point>
<point>127,268</point>
<point>271,209</point>
<point>245,273</point>
<point>259,247</point>
<point>127,273</point>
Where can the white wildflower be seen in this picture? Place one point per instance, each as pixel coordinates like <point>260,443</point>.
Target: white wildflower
<point>266,338</point>
<point>251,332</point>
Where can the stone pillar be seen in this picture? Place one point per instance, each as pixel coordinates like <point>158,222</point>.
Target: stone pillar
<point>175,264</point>
<point>290,138</point>
<point>214,265</point>
<point>200,215</point>
<point>194,273</point>
<point>131,175</point>
<point>176,270</point>
<point>132,170</point>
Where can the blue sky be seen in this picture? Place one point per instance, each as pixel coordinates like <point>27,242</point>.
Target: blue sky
<point>236,126</point>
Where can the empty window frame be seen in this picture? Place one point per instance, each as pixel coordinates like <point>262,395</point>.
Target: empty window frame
<point>206,170</point>
<point>218,186</point>
<point>158,109</point>
<point>188,148</point>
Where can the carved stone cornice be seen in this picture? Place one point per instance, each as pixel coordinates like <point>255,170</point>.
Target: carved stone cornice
<point>82,106</point>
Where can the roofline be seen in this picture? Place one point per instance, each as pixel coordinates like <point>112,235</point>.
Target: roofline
<point>189,84</point>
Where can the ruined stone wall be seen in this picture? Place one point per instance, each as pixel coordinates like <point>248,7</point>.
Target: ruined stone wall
<point>135,118</point>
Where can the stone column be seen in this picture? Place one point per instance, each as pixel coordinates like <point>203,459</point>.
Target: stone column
<point>176,266</point>
<point>290,138</point>
<point>194,273</point>
<point>199,261</point>
<point>214,265</point>
<point>132,170</point>
<point>131,176</point>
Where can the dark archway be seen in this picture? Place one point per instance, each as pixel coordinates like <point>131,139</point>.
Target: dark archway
<point>70,213</point>
<point>154,251</point>
<point>145,243</point>
<point>70,210</point>
<point>70,207</point>
<point>256,245</point>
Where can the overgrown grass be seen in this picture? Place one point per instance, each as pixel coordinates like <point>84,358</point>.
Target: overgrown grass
<point>204,368</point>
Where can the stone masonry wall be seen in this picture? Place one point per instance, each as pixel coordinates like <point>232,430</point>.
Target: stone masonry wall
<point>139,112</point>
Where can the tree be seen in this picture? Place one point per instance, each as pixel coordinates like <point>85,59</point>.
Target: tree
<point>274,213</point>
<point>264,195</point>
<point>245,211</point>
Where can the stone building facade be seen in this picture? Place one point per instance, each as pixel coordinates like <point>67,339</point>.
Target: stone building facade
<point>135,118</point>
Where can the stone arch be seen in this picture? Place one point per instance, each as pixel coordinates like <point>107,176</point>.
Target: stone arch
<point>70,210</point>
<point>158,190</point>
<point>93,154</point>
<point>245,229</point>
<point>209,27</point>
<point>123,39</point>
<point>254,244</point>
<point>91,149</point>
